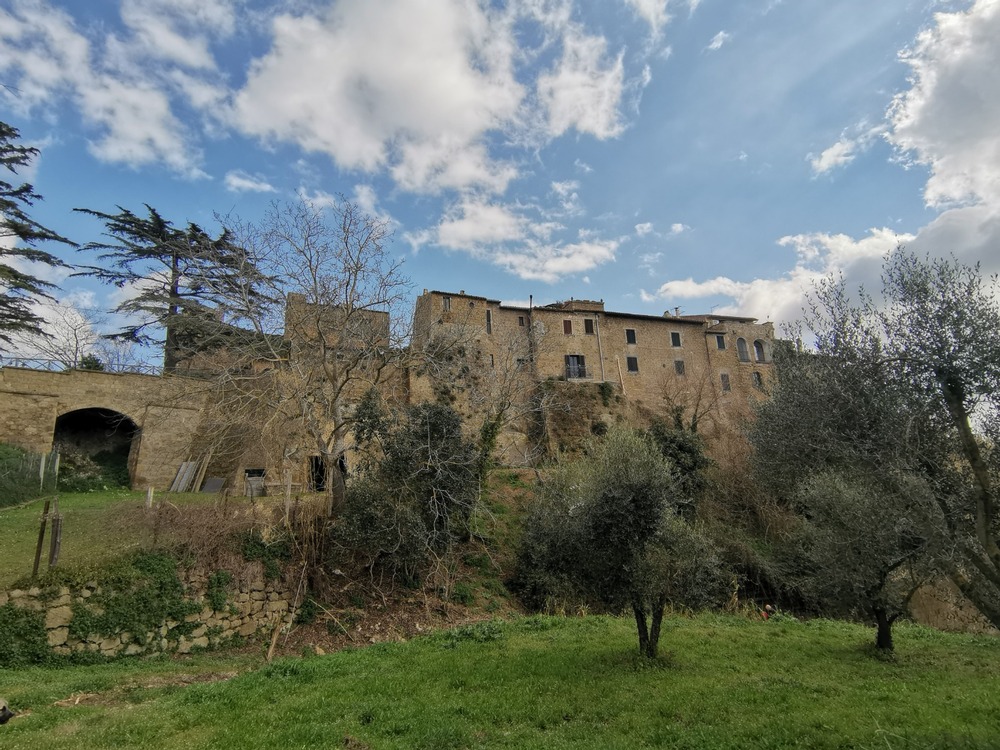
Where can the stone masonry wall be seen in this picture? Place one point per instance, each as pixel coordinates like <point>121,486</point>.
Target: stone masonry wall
<point>250,606</point>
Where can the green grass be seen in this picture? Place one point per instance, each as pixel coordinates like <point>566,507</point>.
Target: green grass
<point>95,529</point>
<point>725,682</point>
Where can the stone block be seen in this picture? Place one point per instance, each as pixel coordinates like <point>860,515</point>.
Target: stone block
<point>132,649</point>
<point>57,637</point>
<point>248,629</point>
<point>58,617</point>
<point>201,642</point>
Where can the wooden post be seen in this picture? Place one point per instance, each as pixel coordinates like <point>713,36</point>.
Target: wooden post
<point>149,498</point>
<point>41,538</point>
<point>55,538</point>
<point>41,472</point>
<point>288,493</point>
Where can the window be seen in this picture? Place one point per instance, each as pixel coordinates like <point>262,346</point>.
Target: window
<point>575,367</point>
<point>629,335</point>
<point>588,326</point>
<point>492,361</point>
<point>741,350</point>
<point>632,363</point>
<point>726,387</point>
<point>446,302</point>
<point>489,321</point>
<point>758,381</point>
<point>568,327</point>
<point>520,320</point>
<point>675,338</point>
<point>758,351</point>
<point>679,366</point>
<point>720,341</point>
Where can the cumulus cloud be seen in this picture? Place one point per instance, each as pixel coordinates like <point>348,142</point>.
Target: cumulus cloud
<point>238,181</point>
<point>585,89</point>
<point>678,228</point>
<point>388,83</point>
<point>949,119</point>
<point>475,224</point>
<point>549,263</point>
<point>644,228</point>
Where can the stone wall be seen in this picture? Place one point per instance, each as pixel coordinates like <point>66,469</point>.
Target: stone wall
<point>250,606</point>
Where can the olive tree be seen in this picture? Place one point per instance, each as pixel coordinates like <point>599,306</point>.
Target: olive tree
<point>607,531</point>
<point>902,385</point>
<point>861,546</point>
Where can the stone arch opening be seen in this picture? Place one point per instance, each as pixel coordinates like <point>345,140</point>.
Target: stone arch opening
<point>97,442</point>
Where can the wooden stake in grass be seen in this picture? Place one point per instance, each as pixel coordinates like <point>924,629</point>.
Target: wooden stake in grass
<point>149,498</point>
<point>55,539</point>
<point>41,539</point>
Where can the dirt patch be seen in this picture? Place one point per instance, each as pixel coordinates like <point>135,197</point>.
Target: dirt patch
<point>115,696</point>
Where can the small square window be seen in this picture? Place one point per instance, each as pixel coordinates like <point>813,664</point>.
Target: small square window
<point>720,341</point>
<point>568,327</point>
<point>446,303</point>
<point>520,320</point>
<point>588,326</point>
<point>675,338</point>
<point>726,387</point>
<point>629,335</point>
<point>679,366</point>
<point>633,364</point>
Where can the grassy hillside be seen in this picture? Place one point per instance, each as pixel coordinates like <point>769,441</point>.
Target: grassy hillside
<point>727,682</point>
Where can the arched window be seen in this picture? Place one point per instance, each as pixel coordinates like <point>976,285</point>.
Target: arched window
<point>758,351</point>
<point>741,350</point>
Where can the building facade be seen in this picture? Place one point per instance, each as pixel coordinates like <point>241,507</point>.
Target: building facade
<point>707,370</point>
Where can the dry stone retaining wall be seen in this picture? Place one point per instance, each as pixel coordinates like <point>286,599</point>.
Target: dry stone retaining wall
<point>250,606</point>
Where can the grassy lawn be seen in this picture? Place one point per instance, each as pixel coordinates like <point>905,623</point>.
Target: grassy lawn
<point>96,526</point>
<point>725,682</point>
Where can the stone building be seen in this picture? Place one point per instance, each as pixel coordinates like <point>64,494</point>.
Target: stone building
<point>704,369</point>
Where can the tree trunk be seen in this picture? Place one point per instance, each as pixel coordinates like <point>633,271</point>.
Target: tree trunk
<point>654,631</point>
<point>985,505</point>
<point>640,624</point>
<point>883,635</point>
<point>337,488</point>
<point>649,633</point>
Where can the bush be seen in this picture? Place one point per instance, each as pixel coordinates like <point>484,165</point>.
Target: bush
<point>103,471</point>
<point>22,637</point>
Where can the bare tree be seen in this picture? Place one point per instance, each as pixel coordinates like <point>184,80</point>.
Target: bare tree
<point>66,333</point>
<point>327,328</point>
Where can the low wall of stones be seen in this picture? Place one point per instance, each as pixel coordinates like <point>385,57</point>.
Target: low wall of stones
<point>250,606</point>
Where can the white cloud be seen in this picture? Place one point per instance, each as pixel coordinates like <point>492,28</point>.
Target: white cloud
<point>238,181</point>
<point>48,59</point>
<point>568,197</point>
<point>413,87</point>
<point>585,89</point>
<point>644,228</point>
<point>549,263</point>
<point>949,119</point>
<point>678,228</point>
<point>718,40</point>
<point>582,166</point>
<point>475,224</point>
<point>653,12</point>
<point>845,150</point>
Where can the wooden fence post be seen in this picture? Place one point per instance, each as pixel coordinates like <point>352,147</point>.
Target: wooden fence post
<point>55,539</point>
<point>41,539</point>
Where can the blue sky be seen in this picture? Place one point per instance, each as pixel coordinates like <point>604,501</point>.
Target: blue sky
<point>702,154</point>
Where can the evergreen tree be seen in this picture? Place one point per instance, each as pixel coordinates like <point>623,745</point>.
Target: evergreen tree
<point>19,235</point>
<point>187,282</point>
